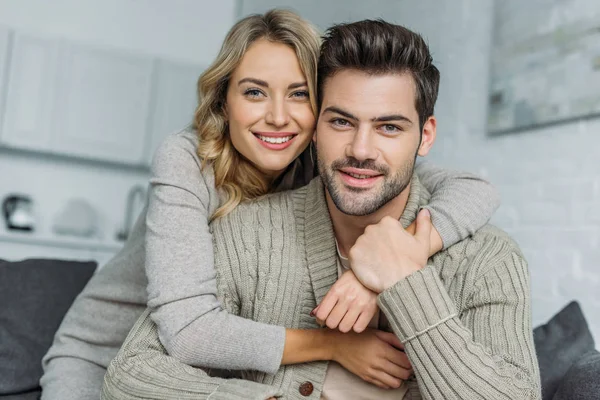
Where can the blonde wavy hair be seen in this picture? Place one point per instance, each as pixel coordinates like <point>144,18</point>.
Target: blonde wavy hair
<point>236,177</point>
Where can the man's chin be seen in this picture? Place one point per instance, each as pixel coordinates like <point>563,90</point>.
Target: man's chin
<point>354,202</point>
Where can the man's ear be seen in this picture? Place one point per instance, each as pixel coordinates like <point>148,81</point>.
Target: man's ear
<point>314,138</point>
<point>428,136</point>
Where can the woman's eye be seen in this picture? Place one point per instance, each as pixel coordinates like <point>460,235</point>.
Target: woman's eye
<point>301,94</point>
<point>253,93</point>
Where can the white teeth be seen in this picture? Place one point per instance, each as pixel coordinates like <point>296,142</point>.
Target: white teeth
<point>358,176</point>
<point>275,140</point>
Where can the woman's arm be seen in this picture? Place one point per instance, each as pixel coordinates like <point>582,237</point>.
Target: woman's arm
<point>182,288</point>
<point>460,203</point>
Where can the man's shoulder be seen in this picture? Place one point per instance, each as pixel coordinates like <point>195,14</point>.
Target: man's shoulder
<point>488,249</point>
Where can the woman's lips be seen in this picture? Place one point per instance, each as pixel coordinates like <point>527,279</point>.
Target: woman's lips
<point>275,140</point>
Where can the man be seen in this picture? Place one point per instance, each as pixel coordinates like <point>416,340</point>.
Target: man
<point>463,316</point>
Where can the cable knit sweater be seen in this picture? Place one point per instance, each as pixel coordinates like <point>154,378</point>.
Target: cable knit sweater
<point>169,253</point>
<point>464,319</point>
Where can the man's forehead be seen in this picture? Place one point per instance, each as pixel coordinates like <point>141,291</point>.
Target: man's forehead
<point>369,95</point>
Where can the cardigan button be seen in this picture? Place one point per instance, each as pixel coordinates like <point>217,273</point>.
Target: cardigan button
<point>306,389</point>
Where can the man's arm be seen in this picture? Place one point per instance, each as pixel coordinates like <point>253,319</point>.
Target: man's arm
<point>487,351</point>
<point>143,370</point>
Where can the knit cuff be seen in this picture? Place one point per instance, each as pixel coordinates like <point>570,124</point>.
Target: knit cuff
<point>417,304</point>
<point>240,389</point>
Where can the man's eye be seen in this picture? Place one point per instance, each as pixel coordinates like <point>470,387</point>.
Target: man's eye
<point>340,122</point>
<point>388,128</point>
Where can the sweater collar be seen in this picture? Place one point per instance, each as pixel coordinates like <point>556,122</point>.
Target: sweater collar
<point>319,238</point>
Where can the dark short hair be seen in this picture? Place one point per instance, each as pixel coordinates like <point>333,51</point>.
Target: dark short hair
<point>378,47</point>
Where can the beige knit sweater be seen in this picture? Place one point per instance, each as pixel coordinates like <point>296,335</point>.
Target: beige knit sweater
<point>464,319</point>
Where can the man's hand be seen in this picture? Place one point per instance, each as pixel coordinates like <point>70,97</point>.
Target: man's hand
<point>385,253</point>
<point>348,305</point>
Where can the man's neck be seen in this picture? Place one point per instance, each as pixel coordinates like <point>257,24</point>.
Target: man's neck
<point>348,228</point>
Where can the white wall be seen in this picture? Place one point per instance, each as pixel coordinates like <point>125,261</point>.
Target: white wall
<point>182,30</point>
<point>185,30</point>
<point>549,179</point>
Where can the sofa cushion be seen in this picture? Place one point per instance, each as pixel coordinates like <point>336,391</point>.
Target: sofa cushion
<point>559,344</point>
<point>35,294</point>
<point>582,381</point>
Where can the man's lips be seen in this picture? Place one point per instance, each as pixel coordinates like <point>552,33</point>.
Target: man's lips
<point>359,178</point>
<point>358,172</point>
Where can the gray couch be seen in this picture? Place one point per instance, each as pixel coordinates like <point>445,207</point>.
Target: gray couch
<point>36,294</point>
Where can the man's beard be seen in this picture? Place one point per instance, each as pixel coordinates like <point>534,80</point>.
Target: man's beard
<point>358,201</point>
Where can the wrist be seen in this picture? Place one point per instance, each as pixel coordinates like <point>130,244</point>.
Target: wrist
<point>398,274</point>
<point>330,341</point>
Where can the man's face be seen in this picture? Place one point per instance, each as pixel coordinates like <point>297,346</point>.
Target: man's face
<point>367,139</point>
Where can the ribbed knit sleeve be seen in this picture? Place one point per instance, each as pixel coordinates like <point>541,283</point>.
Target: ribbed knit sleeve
<point>460,203</point>
<point>487,351</point>
<point>142,370</point>
<point>182,289</point>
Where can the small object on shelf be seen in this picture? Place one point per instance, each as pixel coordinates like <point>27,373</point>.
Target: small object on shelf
<point>77,218</point>
<point>18,212</point>
<point>136,199</point>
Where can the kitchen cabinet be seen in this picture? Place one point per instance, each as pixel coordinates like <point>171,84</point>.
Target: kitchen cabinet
<point>4,40</point>
<point>77,100</point>
<point>175,100</point>
<point>103,104</point>
<point>31,91</point>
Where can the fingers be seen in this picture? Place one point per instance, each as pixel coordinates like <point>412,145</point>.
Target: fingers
<point>377,383</point>
<point>322,311</point>
<point>362,322</point>
<point>350,319</point>
<point>399,358</point>
<point>390,338</point>
<point>387,381</point>
<point>396,371</point>
<point>423,229</point>
<point>336,315</point>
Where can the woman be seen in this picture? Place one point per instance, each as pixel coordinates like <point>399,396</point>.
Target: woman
<point>252,130</point>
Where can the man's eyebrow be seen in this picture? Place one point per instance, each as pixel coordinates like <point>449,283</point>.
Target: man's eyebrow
<point>336,110</point>
<point>384,118</point>
<point>255,81</point>
<point>393,117</point>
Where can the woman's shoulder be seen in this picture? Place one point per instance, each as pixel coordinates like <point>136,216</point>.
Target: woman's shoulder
<point>177,157</point>
<point>181,141</point>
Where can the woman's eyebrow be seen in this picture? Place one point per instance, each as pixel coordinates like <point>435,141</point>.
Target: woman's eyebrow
<point>297,85</point>
<point>255,81</point>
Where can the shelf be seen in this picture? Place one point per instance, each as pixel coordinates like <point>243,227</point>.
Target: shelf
<point>60,241</point>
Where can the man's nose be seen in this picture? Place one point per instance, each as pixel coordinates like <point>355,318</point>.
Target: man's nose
<point>362,147</point>
<point>277,114</point>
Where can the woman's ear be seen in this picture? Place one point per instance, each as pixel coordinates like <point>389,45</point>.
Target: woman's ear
<point>428,136</point>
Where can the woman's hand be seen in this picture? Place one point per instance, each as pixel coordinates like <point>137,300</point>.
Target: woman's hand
<point>348,305</point>
<point>435,240</point>
<point>374,356</point>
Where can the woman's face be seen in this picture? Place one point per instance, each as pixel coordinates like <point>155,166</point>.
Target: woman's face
<point>268,109</point>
